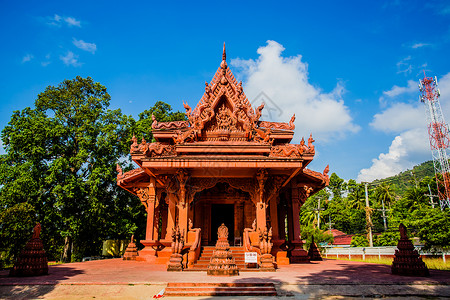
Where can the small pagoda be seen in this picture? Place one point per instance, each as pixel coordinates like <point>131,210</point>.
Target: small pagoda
<point>222,261</point>
<point>132,251</point>
<point>406,259</point>
<point>32,260</point>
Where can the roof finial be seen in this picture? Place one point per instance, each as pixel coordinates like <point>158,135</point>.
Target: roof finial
<point>224,55</point>
<point>223,64</point>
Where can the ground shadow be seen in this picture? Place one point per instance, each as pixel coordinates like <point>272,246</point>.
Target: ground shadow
<point>32,287</point>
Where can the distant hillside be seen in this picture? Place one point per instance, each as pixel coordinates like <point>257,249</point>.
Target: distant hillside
<point>406,179</point>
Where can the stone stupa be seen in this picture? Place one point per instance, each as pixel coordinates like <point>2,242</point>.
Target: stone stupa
<point>313,252</point>
<point>32,260</point>
<point>222,261</point>
<point>406,259</point>
<point>132,251</point>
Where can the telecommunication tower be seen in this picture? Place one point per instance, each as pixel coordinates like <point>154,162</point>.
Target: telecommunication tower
<point>438,132</point>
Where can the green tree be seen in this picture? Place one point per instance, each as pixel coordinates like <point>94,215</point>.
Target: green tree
<point>432,226</point>
<point>61,159</point>
<point>359,240</point>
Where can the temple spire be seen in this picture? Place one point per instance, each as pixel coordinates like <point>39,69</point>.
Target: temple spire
<point>224,55</point>
<point>223,64</point>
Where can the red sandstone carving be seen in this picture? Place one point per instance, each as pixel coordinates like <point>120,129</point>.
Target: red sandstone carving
<point>287,150</point>
<point>224,142</point>
<point>222,261</point>
<point>143,196</point>
<point>406,259</point>
<point>132,251</point>
<point>36,231</point>
<point>119,172</point>
<point>168,125</point>
<point>265,246</point>
<point>32,260</point>
<point>279,125</point>
<point>175,261</point>
<point>313,252</point>
<point>134,146</point>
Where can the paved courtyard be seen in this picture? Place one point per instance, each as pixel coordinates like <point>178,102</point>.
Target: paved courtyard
<point>118,279</point>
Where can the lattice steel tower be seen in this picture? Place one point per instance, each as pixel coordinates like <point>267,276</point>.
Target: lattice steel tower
<point>438,132</point>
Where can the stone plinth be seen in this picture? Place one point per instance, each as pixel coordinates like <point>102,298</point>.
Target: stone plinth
<point>298,254</point>
<point>313,252</point>
<point>222,261</point>
<point>131,252</point>
<point>32,260</point>
<point>406,259</point>
<point>267,263</point>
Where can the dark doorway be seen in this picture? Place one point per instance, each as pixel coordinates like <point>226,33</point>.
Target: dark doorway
<point>222,213</point>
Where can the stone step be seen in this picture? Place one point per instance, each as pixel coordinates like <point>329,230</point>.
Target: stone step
<point>220,289</point>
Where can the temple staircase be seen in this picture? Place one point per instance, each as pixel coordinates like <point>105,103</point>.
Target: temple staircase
<point>179,289</point>
<point>207,252</point>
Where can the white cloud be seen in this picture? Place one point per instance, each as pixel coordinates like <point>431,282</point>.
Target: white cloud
<point>411,145</point>
<point>400,117</point>
<point>404,66</point>
<point>420,45</point>
<point>89,47</point>
<point>406,150</point>
<point>70,59</point>
<point>27,58</point>
<point>412,87</point>
<point>57,21</point>
<point>282,83</point>
<point>72,22</point>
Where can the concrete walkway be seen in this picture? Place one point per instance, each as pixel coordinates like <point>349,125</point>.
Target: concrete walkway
<point>118,279</point>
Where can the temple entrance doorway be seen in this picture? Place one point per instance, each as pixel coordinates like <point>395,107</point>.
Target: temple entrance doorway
<point>222,213</point>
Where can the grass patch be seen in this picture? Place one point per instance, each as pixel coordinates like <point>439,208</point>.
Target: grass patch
<point>432,263</point>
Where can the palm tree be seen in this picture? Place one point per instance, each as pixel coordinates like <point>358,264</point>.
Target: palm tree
<point>384,193</point>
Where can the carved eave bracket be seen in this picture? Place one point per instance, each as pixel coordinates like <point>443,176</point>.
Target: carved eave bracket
<point>156,149</point>
<point>168,125</point>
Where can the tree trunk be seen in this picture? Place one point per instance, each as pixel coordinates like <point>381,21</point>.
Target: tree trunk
<point>67,252</point>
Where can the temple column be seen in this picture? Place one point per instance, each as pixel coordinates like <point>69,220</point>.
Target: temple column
<point>261,206</point>
<point>148,198</point>
<point>298,255</point>
<point>295,215</point>
<point>238,218</point>
<point>149,233</point>
<point>171,216</point>
<point>274,218</point>
<point>183,202</point>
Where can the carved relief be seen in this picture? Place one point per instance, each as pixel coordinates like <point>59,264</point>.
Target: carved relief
<point>279,125</point>
<point>144,196</point>
<point>134,146</point>
<point>182,176</point>
<point>168,125</point>
<point>119,172</point>
<point>293,150</point>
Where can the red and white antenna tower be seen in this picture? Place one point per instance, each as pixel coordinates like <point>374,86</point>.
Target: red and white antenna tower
<point>438,132</point>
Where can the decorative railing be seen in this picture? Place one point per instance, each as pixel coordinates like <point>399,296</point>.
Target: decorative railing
<point>194,237</point>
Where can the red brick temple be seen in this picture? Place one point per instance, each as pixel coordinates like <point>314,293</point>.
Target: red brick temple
<point>223,165</point>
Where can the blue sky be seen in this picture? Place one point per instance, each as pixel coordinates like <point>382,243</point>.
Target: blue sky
<point>347,69</point>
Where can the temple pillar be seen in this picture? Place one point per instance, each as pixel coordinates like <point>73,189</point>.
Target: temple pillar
<point>183,202</point>
<point>149,232</point>
<point>171,216</point>
<point>238,218</point>
<point>261,206</point>
<point>295,215</point>
<point>298,254</point>
<point>148,198</point>
<point>274,218</point>
<point>261,216</point>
